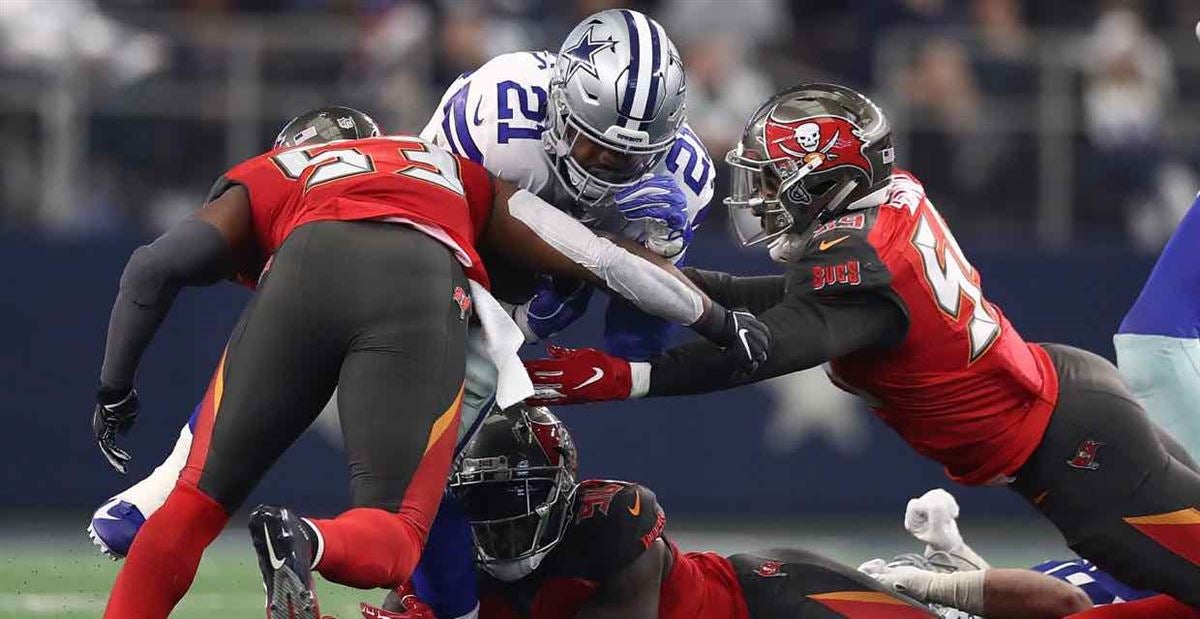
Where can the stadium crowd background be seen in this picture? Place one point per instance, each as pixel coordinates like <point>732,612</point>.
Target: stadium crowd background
<point>1071,121</point>
<point>1060,138</point>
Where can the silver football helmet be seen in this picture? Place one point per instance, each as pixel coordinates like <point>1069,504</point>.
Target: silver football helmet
<point>618,84</point>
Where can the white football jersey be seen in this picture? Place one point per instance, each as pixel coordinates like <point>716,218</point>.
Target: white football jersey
<point>495,116</point>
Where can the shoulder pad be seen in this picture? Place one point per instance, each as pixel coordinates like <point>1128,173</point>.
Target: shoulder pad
<point>495,115</point>
<point>838,256</point>
<point>612,524</point>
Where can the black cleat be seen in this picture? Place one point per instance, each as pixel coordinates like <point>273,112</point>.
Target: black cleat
<point>284,557</point>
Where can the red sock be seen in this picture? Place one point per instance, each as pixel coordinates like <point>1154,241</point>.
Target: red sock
<point>370,548</point>
<point>1159,607</point>
<point>165,554</point>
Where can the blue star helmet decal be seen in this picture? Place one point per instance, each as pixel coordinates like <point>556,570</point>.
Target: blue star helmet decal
<point>584,50</point>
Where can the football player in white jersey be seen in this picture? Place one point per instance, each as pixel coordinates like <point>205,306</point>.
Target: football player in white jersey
<point>597,130</point>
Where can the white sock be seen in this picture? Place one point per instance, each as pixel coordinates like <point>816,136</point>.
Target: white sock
<point>150,493</point>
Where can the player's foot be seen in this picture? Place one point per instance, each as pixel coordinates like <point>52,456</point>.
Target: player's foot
<point>285,555</point>
<point>114,526</point>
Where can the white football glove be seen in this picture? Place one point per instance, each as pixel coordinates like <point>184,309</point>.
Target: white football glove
<point>932,518</point>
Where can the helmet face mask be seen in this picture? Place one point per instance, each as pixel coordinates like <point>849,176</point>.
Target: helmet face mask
<point>809,153</point>
<point>515,482</point>
<point>618,84</point>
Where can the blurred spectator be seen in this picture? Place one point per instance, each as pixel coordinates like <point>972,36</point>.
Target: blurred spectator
<point>108,125</point>
<point>724,88</point>
<point>1126,94</point>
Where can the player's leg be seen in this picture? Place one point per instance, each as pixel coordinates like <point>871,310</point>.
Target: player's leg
<point>1163,373</point>
<point>399,397</point>
<point>446,578</point>
<point>1102,476</point>
<point>115,523</point>
<point>277,373</point>
<point>791,583</point>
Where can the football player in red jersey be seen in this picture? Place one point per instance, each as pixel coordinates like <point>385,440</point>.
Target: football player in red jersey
<point>877,286</point>
<point>362,252</point>
<point>551,547</point>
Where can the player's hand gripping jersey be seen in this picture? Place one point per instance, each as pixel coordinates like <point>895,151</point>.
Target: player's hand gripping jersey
<point>496,115</point>
<point>397,178</point>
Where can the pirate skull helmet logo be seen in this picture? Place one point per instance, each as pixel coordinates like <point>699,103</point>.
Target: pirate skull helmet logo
<point>809,136</point>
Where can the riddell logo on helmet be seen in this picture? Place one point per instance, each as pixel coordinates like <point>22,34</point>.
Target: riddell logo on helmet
<point>836,140</point>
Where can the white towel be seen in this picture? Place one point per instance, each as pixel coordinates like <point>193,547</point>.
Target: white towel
<point>499,340</point>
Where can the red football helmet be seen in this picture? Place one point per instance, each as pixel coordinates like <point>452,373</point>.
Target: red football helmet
<point>810,152</point>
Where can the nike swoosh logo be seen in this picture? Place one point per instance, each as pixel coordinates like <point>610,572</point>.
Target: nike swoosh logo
<point>477,120</point>
<point>637,503</point>
<point>827,244</point>
<point>597,374</point>
<point>276,562</point>
<point>742,337</point>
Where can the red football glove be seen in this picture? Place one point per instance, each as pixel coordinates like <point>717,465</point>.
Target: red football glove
<point>573,375</point>
<point>411,607</point>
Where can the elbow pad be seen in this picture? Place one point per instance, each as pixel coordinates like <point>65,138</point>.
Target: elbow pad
<point>650,288</point>
<point>191,253</point>
<point>143,280</point>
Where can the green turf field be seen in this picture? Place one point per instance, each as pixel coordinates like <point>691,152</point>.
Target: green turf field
<point>49,569</point>
<point>72,583</point>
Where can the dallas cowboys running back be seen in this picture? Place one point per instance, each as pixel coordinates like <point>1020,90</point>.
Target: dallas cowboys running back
<point>597,130</point>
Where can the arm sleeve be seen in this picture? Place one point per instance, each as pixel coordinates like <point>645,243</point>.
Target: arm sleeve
<point>756,294</point>
<point>806,331</point>
<point>650,288</point>
<point>193,253</point>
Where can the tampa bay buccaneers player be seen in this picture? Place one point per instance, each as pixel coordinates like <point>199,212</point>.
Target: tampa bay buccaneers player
<point>552,547</point>
<point>877,287</point>
<point>362,250</point>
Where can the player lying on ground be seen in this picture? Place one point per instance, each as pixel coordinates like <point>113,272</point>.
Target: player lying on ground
<point>527,119</point>
<point>1158,343</point>
<point>877,287</point>
<point>550,546</point>
<point>363,249</point>
<point>948,572</point>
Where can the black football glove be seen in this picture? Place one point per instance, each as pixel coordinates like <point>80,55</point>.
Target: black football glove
<point>115,413</point>
<point>749,339</point>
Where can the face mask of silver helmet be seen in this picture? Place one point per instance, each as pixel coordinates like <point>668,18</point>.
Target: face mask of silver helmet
<point>619,83</point>
<point>515,480</point>
<point>810,153</point>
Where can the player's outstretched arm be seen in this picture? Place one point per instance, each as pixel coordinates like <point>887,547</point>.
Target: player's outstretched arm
<point>754,293</point>
<point>544,239</point>
<point>199,251</point>
<point>633,592</point>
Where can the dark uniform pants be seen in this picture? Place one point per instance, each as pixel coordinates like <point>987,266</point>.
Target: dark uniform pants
<point>790,584</point>
<point>1123,494</point>
<point>377,310</point>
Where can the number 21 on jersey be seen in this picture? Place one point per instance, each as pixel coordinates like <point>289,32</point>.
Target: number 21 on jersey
<point>418,159</point>
<point>951,278</point>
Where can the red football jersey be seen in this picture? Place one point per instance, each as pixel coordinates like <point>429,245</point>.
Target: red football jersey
<point>962,387</point>
<point>395,178</point>
<point>612,523</point>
